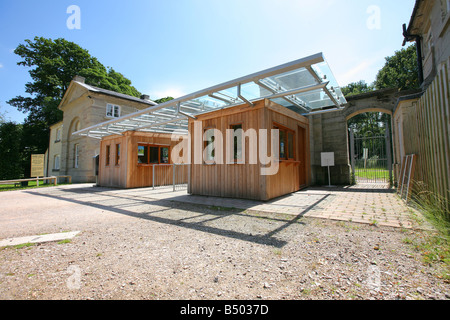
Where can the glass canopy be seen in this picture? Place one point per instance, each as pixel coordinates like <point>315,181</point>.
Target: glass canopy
<point>306,86</point>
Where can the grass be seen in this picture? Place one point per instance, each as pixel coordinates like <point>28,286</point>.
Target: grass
<point>371,173</point>
<point>24,245</point>
<point>433,246</point>
<point>31,184</point>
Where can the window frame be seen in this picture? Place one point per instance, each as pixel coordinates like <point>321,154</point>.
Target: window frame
<point>209,159</point>
<point>58,135</point>
<point>117,155</point>
<point>113,108</point>
<point>76,156</point>
<point>235,159</point>
<point>107,155</point>
<point>149,146</point>
<point>286,131</point>
<point>55,167</point>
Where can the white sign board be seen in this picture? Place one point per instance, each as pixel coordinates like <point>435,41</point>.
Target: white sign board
<point>365,153</point>
<point>327,159</point>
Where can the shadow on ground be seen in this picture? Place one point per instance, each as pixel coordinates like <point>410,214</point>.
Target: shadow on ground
<point>244,224</point>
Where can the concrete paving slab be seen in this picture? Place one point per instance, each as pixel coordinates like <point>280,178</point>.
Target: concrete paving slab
<point>38,238</point>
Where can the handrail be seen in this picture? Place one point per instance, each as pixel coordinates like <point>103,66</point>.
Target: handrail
<point>54,178</point>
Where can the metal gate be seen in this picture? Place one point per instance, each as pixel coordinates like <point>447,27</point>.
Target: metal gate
<point>175,176</point>
<point>371,158</point>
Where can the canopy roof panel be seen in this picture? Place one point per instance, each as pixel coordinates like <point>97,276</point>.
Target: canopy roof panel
<point>306,86</point>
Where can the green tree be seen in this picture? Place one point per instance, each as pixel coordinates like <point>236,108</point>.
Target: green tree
<point>369,124</point>
<point>400,71</point>
<point>52,65</point>
<point>11,155</point>
<point>108,78</point>
<point>355,88</point>
<point>162,100</point>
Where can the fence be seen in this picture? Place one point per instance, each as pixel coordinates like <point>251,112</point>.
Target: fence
<point>170,175</point>
<point>426,133</point>
<point>371,158</point>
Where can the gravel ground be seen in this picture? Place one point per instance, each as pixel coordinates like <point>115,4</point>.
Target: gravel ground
<point>132,249</point>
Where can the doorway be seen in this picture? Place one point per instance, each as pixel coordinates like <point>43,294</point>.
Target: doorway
<point>370,150</point>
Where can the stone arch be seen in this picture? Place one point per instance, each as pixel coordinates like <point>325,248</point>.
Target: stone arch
<point>329,132</point>
<point>355,113</point>
<point>75,125</point>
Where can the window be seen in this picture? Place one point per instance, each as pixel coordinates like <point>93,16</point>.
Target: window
<point>237,142</point>
<point>76,155</point>
<point>108,154</point>
<point>112,111</point>
<point>149,154</point>
<point>58,135</point>
<point>209,150</point>
<point>286,143</point>
<point>56,162</point>
<point>117,154</point>
<point>164,155</point>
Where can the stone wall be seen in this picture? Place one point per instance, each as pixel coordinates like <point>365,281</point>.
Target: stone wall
<point>329,133</point>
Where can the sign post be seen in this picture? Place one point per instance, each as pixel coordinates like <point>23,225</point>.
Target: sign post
<point>37,167</point>
<point>328,161</point>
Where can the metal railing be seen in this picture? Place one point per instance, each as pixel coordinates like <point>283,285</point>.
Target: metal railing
<point>170,175</point>
<point>371,158</point>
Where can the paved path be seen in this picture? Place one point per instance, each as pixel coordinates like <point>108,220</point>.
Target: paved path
<point>70,205</point>
<point>364,203</point>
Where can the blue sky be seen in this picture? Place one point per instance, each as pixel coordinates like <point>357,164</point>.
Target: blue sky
<point>176,47</point>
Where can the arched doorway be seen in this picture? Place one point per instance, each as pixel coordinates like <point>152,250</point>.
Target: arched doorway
<point>370,146</point>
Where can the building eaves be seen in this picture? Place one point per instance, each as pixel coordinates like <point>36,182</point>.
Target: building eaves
<point>116,94</point>
<point>414,15</point>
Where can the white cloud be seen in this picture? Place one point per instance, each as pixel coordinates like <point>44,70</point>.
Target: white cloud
<point>1,65</point>
<point>358,72</point>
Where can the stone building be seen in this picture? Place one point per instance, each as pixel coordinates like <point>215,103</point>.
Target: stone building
<point>421,121</point>
<point>84,106</point>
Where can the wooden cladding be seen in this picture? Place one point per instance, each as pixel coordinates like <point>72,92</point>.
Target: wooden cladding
<point>426,133</point>
<point>129,173</point>
<point>242,178</point>
<point>229,149</point>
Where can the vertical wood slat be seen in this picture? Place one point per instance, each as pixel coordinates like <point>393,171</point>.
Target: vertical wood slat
<point>245,180</point>
<point>426,133</point>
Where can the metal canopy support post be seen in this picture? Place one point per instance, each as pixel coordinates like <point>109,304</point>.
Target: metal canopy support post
<point>352,155</point>
<point>388,153</point>
<point>240,96</point>
<point>268,88</point>
<point>184,113</point>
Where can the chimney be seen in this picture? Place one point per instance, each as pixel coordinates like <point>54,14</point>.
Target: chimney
<point>79,79</point>
<point>145,97</point>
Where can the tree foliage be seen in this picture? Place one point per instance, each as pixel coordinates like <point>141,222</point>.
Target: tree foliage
<point>369,124</point>
<point>355,88</point>
<point>400,71</point>
<point>11,155</point>
<point>52,65</point>
<point>162,100</point>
